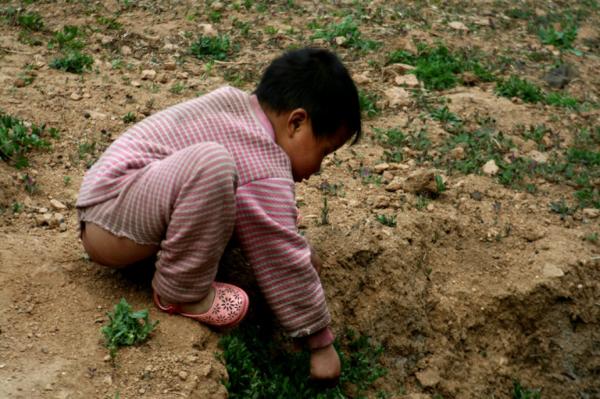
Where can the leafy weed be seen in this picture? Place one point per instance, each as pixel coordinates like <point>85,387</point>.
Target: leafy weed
<point>17,139</point>
<point>211,48</point>
<point>126,327</point>
<point>349,33</point>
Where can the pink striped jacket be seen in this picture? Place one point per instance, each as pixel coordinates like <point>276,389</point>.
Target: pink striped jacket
<point>266,209</point>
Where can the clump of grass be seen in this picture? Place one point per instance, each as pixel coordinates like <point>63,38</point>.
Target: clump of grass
<point>445,116</point>
<point>521,88</point>
<point>260,368</point>
<point>519,392</point>
<point>129,117</point>
<point>68,38</point>
<point>126,327</point>
<point>439,68</point>
<point>211,47</point>
<point>368,103</point>
<point>562,39</point>
<point>349,32</point>
<point>385,220</point>
<point>561,100</point>
<point>17,140</point>
<point>31,21</point>
<point>73,61</point>
<point>392,140</point>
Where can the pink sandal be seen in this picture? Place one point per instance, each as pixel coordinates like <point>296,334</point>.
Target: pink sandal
<point>228,309</point>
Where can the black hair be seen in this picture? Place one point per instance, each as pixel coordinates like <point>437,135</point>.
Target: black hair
<point>316,80</point>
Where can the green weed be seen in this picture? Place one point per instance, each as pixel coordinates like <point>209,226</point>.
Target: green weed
<point>385,220</point>
<point>444,115</point>
<point>177,88</point>
<point>17,139</point>
<point>422,202</point>
<point>129,117</point>
<point>562,39</point>
<point>31,21</point>
<point>561,100</point>
<point>349,32</point>
<point>260,368</point>
<point>561,207</point>
<point>211,48</point>
<point>520,392</point>
<point>521,88</point>
<point>438,68</point>
<point>325,212</point>
<point>368,103</point>
<point>109,23</point>
<point>439,184</point>
<point>68,38</point>
<point>73,61</point>
<point>592,237</point>
<point>126,327</point>
<point>392,140</point>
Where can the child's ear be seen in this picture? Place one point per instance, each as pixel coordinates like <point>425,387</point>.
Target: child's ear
<point>295,120</point>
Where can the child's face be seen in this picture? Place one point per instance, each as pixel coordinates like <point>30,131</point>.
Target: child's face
<point>307,151</point>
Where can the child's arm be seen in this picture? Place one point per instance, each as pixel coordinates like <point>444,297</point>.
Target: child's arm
<point>281,257</point>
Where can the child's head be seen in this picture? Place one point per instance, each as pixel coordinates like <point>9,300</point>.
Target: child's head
<point>315,93</point>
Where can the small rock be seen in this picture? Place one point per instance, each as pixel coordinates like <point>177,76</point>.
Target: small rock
<point>381,201</point>
<point>126,50</point>
<point>363,78</point>
<point>529,146</point>
<point>148,74</point>
<point>19,82</point>
<point>75,97</point>
<point>457,153</point>
<point>108,380</point>
<point>340,40</point>
<point>430,207</point>
<point>42,210</point>
<point>136,83</point>
<point>217,6</point>
<point>170,66</point>
<point>208,30</point>
<point>388,176</point>
<point>141,391</point>
<point>95,115</point>
<point>397,96</point>
<point>469,78</point>
<point>395,184</point>
<point>591,213</point>
<point>183,375</point>
<point>490,168</point>
<point>457,25</point>
<point>482,21</point>
<point>409,80</point>
<point>534,234</point>
<point>428,378</point>
<point>380,168</point>
<point>476,195</point>
<point>106,358</point>
<point>62,227</point>
<point>419,181</point>
<point>560,76</point>
<point>57,205</point>
<point>538,157</point>
<point>550,270</point>
<point>107,40</point>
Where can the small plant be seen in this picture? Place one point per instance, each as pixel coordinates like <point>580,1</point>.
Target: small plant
<point>521,88</point>
<point>129,117</point>
<point>562,39</point>
<point>368,104</point>
<point>561,100</point>
<point>260,368</point>
<point>345,34</point>
<point>177,88</point>
<point>385,220</point>
<point>68,38</point>
<point>126,327</point>
<point>17,139</point>
<point>67,180</point>
<point>29,20</point>
<point>211,48</point>
<point>439,184</point>
<point>325,212</point>
<point>29,183</point>
<point>524,393</point>
<point>592,237</point>
<point>444,115</point>
<point>438,68</point>
<point>73,61</point>
<point>561,207</point>
<point>109,23</point>
<point>17,207</point>
<point>422,202</point>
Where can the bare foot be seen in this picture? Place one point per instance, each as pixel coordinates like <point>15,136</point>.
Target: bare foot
<point>199,307</point>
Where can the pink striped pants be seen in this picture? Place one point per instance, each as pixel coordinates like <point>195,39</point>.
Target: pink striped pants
<point>185,203</point>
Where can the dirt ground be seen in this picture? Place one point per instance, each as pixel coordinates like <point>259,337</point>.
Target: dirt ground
<point>481,286</point>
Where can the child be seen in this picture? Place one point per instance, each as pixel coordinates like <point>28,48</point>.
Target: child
<point>179,183</point>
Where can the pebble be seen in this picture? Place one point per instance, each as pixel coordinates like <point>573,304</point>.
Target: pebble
<point>457,25</point>
<point>170,66</point>
<point>126,50</point>
<point>538,157</point>
<point>148,74</point>
<point>428,378</point>
<point>136,83</point>
<point>490,168</point>
<point>75,97</point>
<point>397,96</point>
<point>380,168</point>
<point>57,205</point>
<point>550,270</point>
<point>183,375</point>
<point>457,153</point>
<point>591,213</point>
<point>62,227</point>
<point>208,30</point>
<point>141,391</point>
<point>409,80</point>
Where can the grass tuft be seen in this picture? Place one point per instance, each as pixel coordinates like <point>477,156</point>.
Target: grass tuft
<point>348,33</point>
<point>73,61</point>
<point>17,139</point>
<point>211,48</point>
<point>126,327</point>
<point>260,368</point>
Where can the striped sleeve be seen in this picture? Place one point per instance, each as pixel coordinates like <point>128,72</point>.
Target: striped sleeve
<point>280,256</point>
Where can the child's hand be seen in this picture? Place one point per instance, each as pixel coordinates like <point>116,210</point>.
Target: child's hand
<point>325,365</point>
<point>315,260</point>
